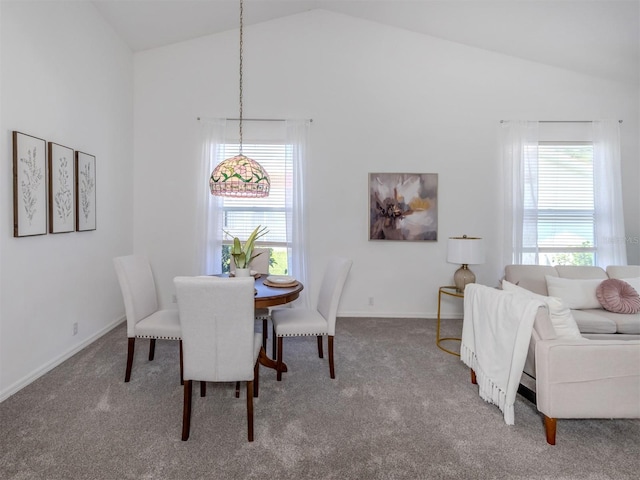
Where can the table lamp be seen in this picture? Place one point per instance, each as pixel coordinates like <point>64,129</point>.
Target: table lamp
<point>465,251</point>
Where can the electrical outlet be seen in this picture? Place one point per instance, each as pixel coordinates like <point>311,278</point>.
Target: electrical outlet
<point>75,328</point>
<point>174,299</point>
<point>371,301</point>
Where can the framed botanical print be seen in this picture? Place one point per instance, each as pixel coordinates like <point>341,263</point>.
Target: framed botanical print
<point>85,192</point>
<point>62,186</point>
<point>403,206</point>
<point>29,185</point>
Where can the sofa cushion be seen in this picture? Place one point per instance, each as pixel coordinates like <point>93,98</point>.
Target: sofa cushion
<point>576,293</point>
<point>531,277</point>
<point>581,271</point>
<point>561,318</point>
<point>595,321</point>
<point>618,296</point>
<point>623,271</point>
<point>626,323</point>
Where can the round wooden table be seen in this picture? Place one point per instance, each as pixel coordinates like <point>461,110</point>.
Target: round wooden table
<point>267,296</point>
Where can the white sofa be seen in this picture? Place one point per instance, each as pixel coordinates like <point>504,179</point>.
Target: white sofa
<point>597,374</point>
<point>590,320</point>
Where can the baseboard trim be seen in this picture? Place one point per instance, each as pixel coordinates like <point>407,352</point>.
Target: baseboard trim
<point>417,315</point>
<point>33,376</point>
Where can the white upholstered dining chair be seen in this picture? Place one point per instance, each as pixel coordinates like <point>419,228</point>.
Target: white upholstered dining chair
<point>144,317</point>
<point>319,321</point>
<point>218,337</point>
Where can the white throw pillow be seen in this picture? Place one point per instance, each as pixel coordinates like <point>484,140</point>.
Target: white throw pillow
<point>579,293</point>
<point>563,322</point>
<point>634,282</point>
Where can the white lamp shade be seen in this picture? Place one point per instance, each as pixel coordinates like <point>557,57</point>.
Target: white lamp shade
<point>465,250</point>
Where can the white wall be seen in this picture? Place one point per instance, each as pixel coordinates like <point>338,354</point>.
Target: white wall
<point>382,100</point>
<point>65,78</point>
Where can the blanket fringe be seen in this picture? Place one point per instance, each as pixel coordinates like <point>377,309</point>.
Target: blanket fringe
<point>487,390</point>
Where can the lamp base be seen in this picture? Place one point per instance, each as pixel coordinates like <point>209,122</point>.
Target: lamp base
<point>463,276</point>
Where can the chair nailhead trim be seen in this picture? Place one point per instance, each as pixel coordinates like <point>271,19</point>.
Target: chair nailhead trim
<point>158,338</point>
<point>301,334</point>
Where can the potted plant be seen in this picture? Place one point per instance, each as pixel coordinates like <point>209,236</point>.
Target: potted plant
<point>243,254</point>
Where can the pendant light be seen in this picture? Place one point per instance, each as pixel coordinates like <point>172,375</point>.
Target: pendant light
<point>240,176</point>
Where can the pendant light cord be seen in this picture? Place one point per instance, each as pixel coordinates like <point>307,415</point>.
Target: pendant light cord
<point>241,51</point>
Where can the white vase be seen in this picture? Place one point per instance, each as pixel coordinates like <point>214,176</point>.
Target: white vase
<point>243,272</point>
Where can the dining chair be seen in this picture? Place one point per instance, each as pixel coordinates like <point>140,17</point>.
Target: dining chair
<point>219,341</point>
<point>261,265</point>
<point>144,317</point>
<point>320,321</point>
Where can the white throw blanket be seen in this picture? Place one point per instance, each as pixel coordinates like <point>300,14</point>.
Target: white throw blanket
<point>495,339</point>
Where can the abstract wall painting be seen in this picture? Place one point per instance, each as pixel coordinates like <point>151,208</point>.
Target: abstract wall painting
<point>62,186</point>
<point>403,206</point>
<point>85,192</point>
<point>29,185</point>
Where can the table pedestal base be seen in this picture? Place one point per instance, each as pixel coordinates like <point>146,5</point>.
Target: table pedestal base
<point>269,363</point>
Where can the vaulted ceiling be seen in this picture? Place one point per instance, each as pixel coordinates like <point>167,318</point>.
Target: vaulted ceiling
<point>595,37</point>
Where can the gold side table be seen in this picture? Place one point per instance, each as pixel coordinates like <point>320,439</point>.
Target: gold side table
<point>452,291</point>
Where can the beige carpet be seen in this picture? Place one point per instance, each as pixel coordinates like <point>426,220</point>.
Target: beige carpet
<point>400,408</point>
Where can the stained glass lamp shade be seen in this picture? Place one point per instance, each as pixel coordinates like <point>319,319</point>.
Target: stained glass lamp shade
<point>239,176</point>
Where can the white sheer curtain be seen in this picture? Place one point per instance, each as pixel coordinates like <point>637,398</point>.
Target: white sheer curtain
<point>209,213</point>
<point>609,219</point>
<point>519,144</point>
<point>297,153</point>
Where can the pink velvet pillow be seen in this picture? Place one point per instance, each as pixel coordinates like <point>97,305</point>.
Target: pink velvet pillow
<point>618,296</point>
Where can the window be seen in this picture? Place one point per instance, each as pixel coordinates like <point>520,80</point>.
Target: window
<point>282,147</point>
<point>242,215</point>
<point>562,193</point>
<point>565,211</point>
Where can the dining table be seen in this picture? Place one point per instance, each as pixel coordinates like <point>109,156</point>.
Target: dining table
<point>269,295</point>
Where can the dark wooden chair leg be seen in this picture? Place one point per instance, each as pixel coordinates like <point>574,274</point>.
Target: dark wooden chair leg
<point>332,370</point>
<point>250,409</point>
<point>256,379</point>
<point>131,345</point>
<point>203,389</point>
<point>320,353</point>
<point>152,348</point>
<point>274,350</point>
<point>473,377</point>
<point>550,425</point>
<point>237,389</point>
<point>265,333</point>
<point>279,362</point>
<point>181,366</point>
<point>186,413</point>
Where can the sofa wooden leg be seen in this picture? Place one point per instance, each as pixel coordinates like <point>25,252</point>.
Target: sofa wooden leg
<point>550,429</point>
<point>473,377</point>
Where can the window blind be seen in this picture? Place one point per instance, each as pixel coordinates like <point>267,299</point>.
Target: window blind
<point>565,196</point>
<point>243,215</point>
